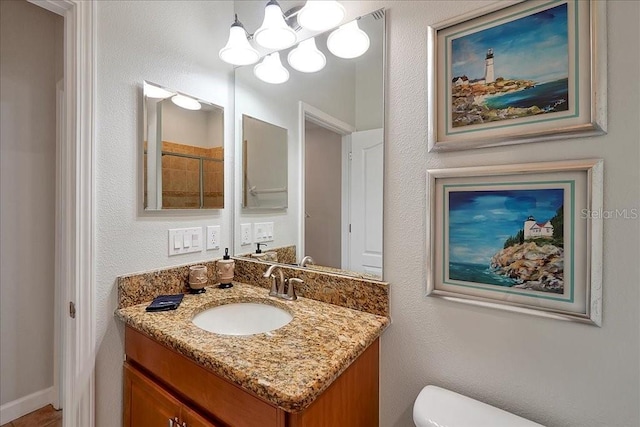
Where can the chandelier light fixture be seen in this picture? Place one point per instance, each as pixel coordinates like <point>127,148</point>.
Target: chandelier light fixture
<point>348,41</point>
<point>238,51</point>
<point>306,57</point>
<point>274,33</point>
<point>270,70</point>
<point>320,15</point>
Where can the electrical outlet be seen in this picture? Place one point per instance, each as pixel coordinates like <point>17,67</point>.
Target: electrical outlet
<point>245,234</point>
<point>213,237</point>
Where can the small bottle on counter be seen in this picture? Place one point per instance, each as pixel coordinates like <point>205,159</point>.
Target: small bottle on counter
<point>226,267</point>
<point>259,255</point>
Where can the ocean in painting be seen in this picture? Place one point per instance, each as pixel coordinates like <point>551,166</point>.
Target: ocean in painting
<point>550,97</point>
<point>478,273</point>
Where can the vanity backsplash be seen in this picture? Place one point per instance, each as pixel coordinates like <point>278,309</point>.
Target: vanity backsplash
<point>370,296</point>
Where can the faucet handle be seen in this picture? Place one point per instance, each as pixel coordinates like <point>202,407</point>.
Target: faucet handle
<point>274,287</point>
<point>291,290</point>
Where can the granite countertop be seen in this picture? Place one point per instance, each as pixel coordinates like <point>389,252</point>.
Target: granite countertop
<point>289,367</point>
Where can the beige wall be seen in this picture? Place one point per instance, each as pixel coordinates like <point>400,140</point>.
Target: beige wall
<point>30,66</point>
<point>323,195</point>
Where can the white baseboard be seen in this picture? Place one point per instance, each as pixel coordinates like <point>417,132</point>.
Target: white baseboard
<point>17,408</point>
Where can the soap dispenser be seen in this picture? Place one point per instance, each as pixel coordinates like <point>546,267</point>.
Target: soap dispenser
<point>226,267</point>
<point>259,255</point>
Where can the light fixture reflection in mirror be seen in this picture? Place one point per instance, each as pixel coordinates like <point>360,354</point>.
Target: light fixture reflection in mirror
<point>348,41</point>
<point>306,58</point>
<point>271,70</point>
<point>345,98</point>
<point>186,102</point>
<point>183,151</point>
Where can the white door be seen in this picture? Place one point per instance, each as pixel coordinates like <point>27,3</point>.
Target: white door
<point>367,154</point>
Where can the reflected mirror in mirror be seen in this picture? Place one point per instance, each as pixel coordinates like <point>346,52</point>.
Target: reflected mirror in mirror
<point>183,160</point>
<point>264,165</point>
<point>335,118</point>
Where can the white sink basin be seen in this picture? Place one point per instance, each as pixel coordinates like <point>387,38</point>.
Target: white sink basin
<point>245,318</point>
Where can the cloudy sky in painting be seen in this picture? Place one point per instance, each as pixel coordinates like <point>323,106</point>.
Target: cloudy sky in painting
<point>534,47</point>
<point>481,221</point>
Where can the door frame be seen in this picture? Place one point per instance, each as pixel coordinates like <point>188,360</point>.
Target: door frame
<point>320,118</point>
<point>75,213</point>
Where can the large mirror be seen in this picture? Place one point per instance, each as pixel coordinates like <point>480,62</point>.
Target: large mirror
<point>183,151</point>
<point>335,119</point>
<point>264,165</point>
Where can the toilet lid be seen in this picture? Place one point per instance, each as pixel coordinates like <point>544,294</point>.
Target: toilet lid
<point>438,407</point>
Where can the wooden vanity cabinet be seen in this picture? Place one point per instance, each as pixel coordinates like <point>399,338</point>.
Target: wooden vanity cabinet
<point>160,384</point>
<point>148,404</point>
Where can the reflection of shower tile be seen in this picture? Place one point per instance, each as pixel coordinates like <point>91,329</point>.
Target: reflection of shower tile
<point>193,165</point>
<point>180,163</point>
<point>193,181</point>
<point>177,180</point>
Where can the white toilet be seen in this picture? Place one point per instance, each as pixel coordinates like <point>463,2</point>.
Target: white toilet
<point>437,407</point>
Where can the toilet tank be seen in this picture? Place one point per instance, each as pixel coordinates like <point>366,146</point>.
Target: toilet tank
<point>437,407</point>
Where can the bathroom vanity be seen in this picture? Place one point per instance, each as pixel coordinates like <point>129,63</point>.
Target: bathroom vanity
<point>320,369</point>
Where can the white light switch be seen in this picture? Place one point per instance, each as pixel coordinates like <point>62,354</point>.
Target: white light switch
<point>185,240</point>
<point>263,232</point>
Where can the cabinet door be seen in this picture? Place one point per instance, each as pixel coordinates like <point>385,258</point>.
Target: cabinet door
<point>190,418</point>
<point>146,404</point>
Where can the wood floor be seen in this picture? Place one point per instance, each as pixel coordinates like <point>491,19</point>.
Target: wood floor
<point>43,417</point>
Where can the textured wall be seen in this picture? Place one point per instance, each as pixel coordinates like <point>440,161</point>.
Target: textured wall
<point>31,64</point>
<point>556,373</point>
<point>174,44</point>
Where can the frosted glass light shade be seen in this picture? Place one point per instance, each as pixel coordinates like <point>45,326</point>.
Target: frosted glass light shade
<point>320,15</point>
<point>270,70</point>
<point>238,51</point>
<point>306,58</point>
<point>186,102</point>
<point>274,33</point>
<point>348,41</point>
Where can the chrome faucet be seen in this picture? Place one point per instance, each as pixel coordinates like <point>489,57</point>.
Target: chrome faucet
<point>277,283</point>
<point>306,260</point>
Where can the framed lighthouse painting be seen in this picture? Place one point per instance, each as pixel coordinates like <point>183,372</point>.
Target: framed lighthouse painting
<point>525,238</point>
<point>529,72</point>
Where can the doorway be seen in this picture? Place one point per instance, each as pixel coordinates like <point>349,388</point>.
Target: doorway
<point>74,224</point>
<point>32,65</point>
<point>342,193</point>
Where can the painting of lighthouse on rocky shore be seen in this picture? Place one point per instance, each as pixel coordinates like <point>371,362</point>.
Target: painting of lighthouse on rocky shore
<point>515,69</point>
<point>507,239</point>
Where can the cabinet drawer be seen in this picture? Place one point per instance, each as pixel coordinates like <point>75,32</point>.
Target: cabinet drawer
<point>217,396</point>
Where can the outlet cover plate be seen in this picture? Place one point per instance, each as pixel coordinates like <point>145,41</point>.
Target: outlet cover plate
<point>245,234</point>
<point>213,237</point>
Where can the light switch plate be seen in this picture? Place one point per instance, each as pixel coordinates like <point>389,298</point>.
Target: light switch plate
<point>213,237</point>
<point>185,240</point>
<point>245,234</point>
<point>263,232</point>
